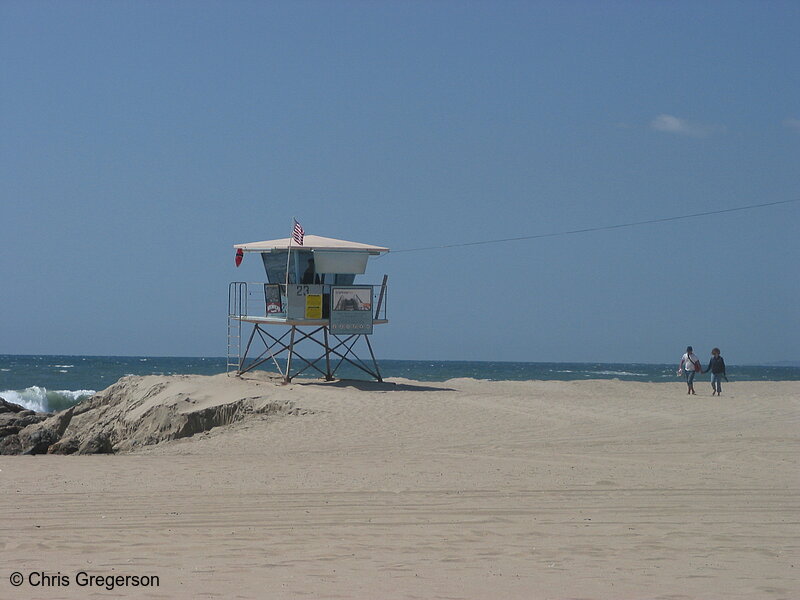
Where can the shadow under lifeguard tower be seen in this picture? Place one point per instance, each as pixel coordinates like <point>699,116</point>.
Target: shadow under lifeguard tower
<point>311,295</point>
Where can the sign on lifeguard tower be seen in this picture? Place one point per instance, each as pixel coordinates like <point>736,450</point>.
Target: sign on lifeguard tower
<point>351,310</point>
<point>312,294</point>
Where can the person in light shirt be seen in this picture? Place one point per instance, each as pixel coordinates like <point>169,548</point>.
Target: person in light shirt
<point>689,367</point>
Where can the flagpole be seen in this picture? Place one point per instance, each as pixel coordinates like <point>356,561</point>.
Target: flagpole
<point>288,377</point>
<point>288,256</point>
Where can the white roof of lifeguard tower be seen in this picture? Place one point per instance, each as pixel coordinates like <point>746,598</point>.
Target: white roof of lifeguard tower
<point>310,242</point>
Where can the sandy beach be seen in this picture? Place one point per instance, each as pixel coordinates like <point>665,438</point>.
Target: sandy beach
<point>460,489</point>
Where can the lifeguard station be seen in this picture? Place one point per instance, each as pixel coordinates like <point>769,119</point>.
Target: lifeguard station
<point>311,295</point>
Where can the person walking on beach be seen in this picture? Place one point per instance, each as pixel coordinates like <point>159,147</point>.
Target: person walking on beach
<point>717,367</point>
<point>689,367</point>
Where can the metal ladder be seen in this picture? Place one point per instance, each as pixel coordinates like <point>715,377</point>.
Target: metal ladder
<point>237,307</point>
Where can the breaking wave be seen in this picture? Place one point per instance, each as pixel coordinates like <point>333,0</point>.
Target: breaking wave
<point>40,399</point>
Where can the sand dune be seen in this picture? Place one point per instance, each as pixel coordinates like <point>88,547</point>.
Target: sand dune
<point>460,489</point>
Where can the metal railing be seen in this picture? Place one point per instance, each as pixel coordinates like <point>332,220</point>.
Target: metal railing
<point>249,299</point>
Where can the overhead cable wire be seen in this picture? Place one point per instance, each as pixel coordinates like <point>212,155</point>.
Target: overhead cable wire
<point>600,228</point>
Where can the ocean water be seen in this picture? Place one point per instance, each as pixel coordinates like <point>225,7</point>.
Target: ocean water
<point>52,383</point>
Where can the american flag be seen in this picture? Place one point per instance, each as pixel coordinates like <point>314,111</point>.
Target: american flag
<point>298,233</point>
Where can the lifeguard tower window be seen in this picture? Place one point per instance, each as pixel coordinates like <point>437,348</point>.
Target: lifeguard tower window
<point>275,265</point>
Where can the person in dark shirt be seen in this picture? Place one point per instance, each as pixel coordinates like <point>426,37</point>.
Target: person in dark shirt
<point>310,275</point>
<point>717,367</point>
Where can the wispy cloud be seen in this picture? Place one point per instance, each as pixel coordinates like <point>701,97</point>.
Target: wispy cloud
<point>793,124</point>
<point>678,126</point>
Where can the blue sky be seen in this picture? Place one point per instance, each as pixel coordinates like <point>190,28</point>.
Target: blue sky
<point>141,140</point>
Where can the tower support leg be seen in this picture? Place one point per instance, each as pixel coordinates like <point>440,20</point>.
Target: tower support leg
<point>328,374</point>
<point>288,377</point>
<point>374,362</point>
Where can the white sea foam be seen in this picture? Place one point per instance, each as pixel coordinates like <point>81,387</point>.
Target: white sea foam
<point>627,373</point>
<point>32,398</point>
<point>39,399</point>
<point>75,395</point>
